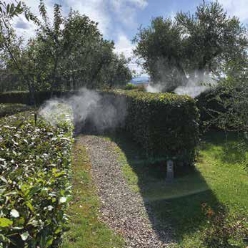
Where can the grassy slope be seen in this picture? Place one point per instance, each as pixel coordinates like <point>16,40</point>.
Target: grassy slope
<point>86,231</point>
<point>219,178</point>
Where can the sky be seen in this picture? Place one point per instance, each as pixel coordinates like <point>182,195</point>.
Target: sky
<point>119,20</point>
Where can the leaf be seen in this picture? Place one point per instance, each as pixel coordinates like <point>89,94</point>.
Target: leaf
<point>4,222</point>
<point>12,9</point>
<point>4,179</point>
<point>30,206</point>
<point>62,200</point>
<point>14,213</point>
<point>8,8</point>
<point>26,15</point>
<point>25,236</point>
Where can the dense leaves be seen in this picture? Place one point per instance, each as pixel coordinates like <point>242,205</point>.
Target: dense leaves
<point>165,125</point>
<point>34,181</point>
<point>191,46</point>
<point>65,54</point>
<point>10,109</point>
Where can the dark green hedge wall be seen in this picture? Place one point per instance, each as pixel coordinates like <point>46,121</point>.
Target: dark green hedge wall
<point>165,125</point>
<point>24,97</point>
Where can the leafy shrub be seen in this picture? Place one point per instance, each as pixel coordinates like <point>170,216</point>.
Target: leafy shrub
<point>224,108</point>
<point>34,181</point>
<point>24,98</point>
<point>10,109</point>
<point>130,86</point>
<point>224,231</point>
<point>165,125</point>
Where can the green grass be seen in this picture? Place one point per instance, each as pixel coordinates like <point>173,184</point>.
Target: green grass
<point>86,231</point>
<point>220,177</point>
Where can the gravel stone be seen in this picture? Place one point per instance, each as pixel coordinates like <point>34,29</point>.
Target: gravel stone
<point>121,208</point>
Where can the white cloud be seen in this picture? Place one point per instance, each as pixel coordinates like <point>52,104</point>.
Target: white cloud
<point>125,46</point>
<point>125,10</point>
<point>96,10</point>
<point>105,12</point>
<point>108,13</point>
<point>238,8</point>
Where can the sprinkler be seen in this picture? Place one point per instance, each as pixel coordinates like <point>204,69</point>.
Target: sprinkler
<point>35,118</point>
<point>170,171</point>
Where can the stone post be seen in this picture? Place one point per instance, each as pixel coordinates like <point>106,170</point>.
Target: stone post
<point>170,171</point>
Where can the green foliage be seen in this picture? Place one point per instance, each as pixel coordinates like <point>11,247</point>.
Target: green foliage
<point>86,230</point>
<point>130,86</point>
<point>34,181</point>
<point>218,178</point>
<point>10,9</point>
<point>226,106</point>
<point>67,54</point>
<point>192,44</point>
<point>224,231</point>
<point>164,125</point>
<point>210,106</point>
<point>23,96</point>
<point>10,109</point>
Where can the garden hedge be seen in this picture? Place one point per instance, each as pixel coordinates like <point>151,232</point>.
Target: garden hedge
<point>24,97</point>
<point>165,125</point>
<point>35,161</point>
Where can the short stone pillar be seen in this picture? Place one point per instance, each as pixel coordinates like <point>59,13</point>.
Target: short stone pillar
<point>170,171</point>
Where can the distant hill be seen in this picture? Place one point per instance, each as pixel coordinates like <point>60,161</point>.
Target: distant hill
<point>140,80</point>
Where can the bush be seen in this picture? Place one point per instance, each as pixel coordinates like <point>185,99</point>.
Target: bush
<point>130,86</point>
<point>165,125</point>
<point>211,107</point>
<point>10,109</point>
<point>24,97</point>
<point>223,230</point>
<point>34,181</point>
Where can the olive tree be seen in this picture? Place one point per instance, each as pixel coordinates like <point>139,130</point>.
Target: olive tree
<point>190,45</point>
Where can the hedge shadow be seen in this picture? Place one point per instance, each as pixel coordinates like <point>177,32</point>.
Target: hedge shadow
<point>177,208</point>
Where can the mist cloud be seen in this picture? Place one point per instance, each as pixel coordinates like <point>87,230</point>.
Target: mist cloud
<point>91,111</point>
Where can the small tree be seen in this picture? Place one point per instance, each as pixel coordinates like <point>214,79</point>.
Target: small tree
<point>9,43</point>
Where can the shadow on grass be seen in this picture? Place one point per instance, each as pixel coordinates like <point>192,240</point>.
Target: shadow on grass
<point>174,208</point>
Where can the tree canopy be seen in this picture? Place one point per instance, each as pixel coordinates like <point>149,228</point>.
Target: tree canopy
<point>190,46</point>
<point>65,54</point>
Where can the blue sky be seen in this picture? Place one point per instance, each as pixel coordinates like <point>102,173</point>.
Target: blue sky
<point>119,20</point>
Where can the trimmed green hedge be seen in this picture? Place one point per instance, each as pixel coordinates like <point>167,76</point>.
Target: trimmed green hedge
<point>34,181</point>
<point>24,97</point>
<point>11,108</point>
<point>165,125</point>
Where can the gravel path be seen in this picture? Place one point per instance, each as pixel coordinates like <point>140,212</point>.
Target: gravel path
<point>123,210</point>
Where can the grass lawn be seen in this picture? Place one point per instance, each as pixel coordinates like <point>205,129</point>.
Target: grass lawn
<point>86,231</point>
<point>218,178</point>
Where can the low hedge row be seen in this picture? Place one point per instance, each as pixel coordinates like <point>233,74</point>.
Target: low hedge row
<point>34,181</point>
<point>24,97</point>
<point>10,109</point>
<point>165,125</point>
